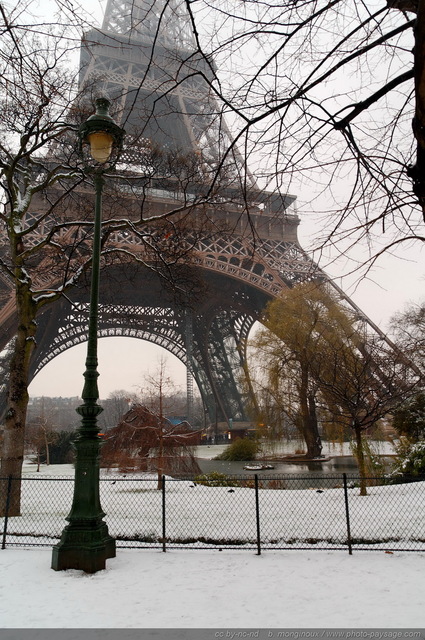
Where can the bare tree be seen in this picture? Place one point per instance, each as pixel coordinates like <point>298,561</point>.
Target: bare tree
<point>362,384</point>
<point>143,440</point>
<point>322,94</point>
<point>115,406</point>
<point>290,116</point>
<point>47,203</point>
<point>408,327</point>
<point>35,96</point>
<point>38,438</point>
<point>159,384</point>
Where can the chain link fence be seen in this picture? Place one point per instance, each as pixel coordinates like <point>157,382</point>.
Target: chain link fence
<point>244,512</point>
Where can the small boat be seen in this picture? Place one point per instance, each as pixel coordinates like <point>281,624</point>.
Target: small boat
<point>258,467</point>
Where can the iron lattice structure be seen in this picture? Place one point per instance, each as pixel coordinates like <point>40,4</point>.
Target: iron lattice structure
<point>145,59</point>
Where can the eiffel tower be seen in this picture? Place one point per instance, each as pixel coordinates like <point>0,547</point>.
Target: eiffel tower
<point>145,58</point>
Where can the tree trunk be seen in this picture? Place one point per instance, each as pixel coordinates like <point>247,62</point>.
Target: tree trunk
<point>417,172</point>
<point>309,426</point>
<point>46,444</point>
<point>314,427</point>
<point>17,403</point>
<point>360,457</point>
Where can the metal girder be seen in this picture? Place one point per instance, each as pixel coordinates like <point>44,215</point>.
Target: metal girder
<point>145,59</point>
<point>166,21</point>
<point>214,351</point>
<point>225,361</point>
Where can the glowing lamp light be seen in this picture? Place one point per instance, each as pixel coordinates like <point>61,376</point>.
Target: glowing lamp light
<point>101,144</point>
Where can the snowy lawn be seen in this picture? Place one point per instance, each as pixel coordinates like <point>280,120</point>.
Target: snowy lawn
<point>212,589</point>
<point>197,514</point>
<point>231,588</point>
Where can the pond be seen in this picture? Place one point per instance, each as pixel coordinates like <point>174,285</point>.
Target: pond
<point>336,465</point>
<point>332,466</point>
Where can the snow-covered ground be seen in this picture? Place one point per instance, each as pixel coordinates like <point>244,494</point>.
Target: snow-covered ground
<point>291,513</point>
<point>228,589</point>
<point>212,589</point>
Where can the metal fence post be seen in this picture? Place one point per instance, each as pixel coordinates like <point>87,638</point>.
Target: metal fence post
<point>347,514</point>
<point>6,514</point>
<point>257,515</point>
<point>163,515</point>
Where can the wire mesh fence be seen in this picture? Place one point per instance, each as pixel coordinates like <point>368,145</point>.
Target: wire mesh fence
<point>243,512</point>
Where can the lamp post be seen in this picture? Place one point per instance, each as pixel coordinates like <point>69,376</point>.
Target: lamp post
<point>85,542</point>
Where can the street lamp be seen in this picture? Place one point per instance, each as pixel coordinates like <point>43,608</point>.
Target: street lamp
<point>85,542</point>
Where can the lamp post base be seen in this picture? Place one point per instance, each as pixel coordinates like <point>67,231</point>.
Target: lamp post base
<point>83,547</point>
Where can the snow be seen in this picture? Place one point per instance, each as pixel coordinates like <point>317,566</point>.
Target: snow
<point>21,205</point>
<point>197,514</point>
<point>190,589</point>
<point>212,589</point>
<point>292,512</point>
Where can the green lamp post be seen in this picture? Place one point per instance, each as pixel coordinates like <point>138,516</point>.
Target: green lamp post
<point>85,542</point>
